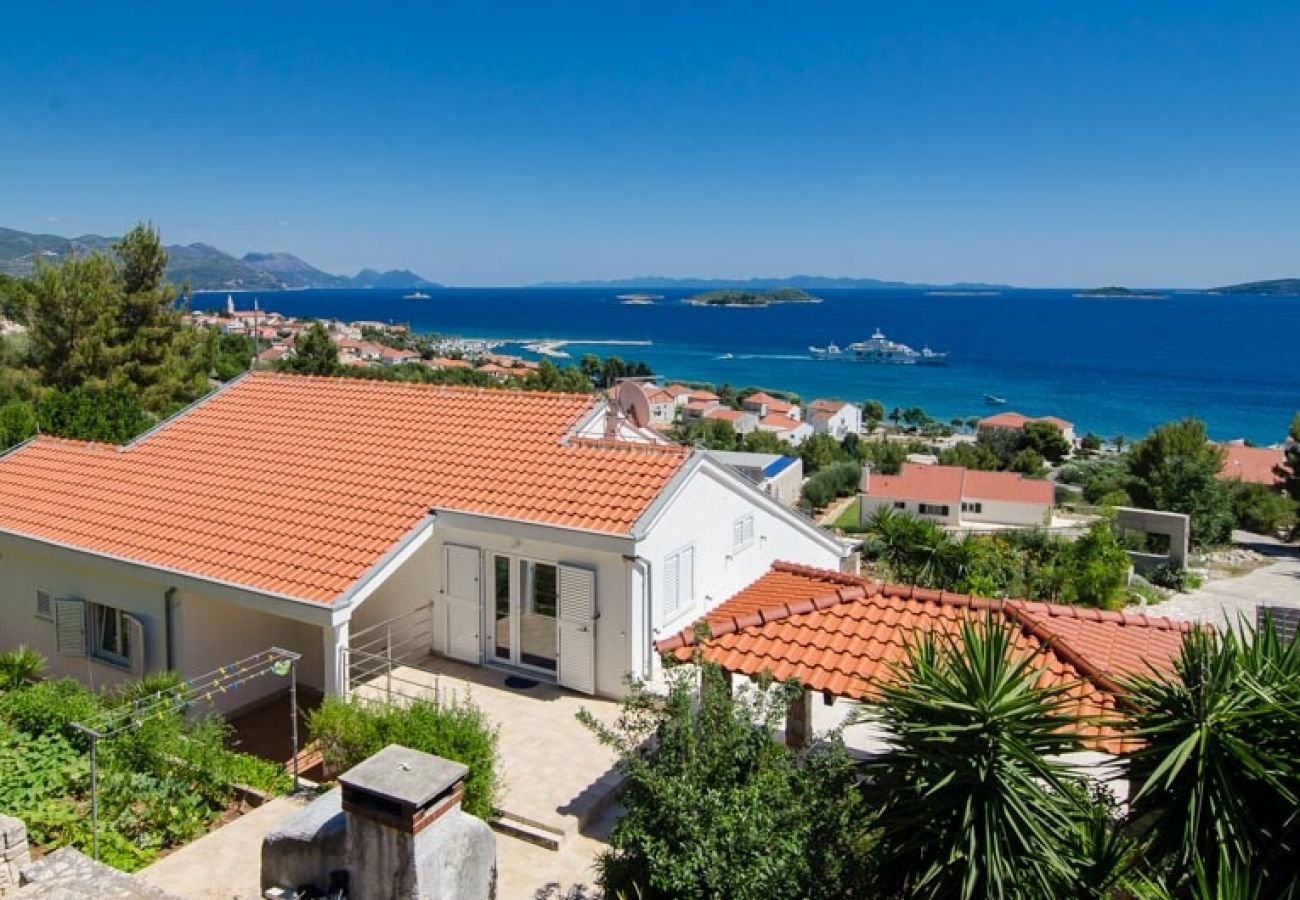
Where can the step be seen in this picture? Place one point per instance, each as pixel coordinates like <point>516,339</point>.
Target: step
<point>529,830</point>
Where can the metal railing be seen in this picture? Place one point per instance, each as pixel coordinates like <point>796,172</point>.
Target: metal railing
<point>374,652</point>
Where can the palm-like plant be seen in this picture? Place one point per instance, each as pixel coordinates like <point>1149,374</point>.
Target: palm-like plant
<point>972,800</point>
<point>20,666</point>
<point>1218,772</point>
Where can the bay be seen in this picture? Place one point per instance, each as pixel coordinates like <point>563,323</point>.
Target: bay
<point>1113,366</point>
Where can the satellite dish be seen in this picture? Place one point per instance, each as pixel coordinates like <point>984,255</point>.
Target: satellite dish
<point>633,403</point>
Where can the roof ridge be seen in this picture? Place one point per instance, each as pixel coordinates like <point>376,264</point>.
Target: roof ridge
<point>1060,647</point>
<point>467,389</point>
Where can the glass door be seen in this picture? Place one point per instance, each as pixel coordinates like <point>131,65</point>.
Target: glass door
<point>525,603</point>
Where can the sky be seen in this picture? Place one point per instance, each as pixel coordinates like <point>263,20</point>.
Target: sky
<point>1034,143</point>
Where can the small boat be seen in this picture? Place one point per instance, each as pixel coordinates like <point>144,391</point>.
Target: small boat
<point>727,356</point>
<point>994,400</point>
<point>638,299</point>
<point>415,295</point>
<point>825,352</point>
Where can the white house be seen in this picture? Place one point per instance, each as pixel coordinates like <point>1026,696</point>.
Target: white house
<point>531,531</point>
<point>792,431</point>
<point>778,476</point>
<point>956,497</point>
<point>834,417</point>
<point>762,404</point>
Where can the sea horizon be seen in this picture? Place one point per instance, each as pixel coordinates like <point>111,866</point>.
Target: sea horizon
<point>1111,366</point>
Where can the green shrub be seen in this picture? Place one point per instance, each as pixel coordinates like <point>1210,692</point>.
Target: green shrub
<point>836,480</point>
<point>47,707</point>
<point>349,731</point>
<point>1174,577</point>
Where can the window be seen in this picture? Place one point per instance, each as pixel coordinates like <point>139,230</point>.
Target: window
<point>976,508</point>
<point>742,532</point>
<point>540,589</point>
<point>111,638</point>
<point>932,509</point>
<point>900,504</point>
<point>44,610</point>
<point>679,582</point>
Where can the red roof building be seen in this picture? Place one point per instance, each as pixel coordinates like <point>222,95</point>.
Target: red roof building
<point>1256,465</point>
<point>844,635</point>
<point>957,496</point>
<point>1014,421</point>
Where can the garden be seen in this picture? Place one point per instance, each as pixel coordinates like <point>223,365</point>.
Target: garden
<point>161,785</point>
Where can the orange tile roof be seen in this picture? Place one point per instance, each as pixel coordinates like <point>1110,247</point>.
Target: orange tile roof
<point>1252,464</point>
<point>952,484</point>
<point>297,486</point>
<point>725,413</point>
<point>1016,420</point>
<point>845,635</point>
<point>774,404</point>
<point>779,422</point>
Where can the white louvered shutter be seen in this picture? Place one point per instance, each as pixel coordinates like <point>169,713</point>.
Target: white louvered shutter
<point>577,629</point>
<point>135,645</point>
<point>672,596</point>
<point>462,598</point>
<point>686,579</point>
<point>70,626</point>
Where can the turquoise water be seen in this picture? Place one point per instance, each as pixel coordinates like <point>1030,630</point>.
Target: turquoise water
<point>1110,366</point>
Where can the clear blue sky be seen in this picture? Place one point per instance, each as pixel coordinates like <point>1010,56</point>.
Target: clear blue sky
<point>1146,143</point>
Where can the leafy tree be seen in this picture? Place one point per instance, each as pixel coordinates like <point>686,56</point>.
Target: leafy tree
<point>1290,470</point>
<point>1098,567</point>
<point>711,434</point>
<point>589,364</point>
<point>895,416</point>
<point>1258,508</point>
<point>1047,441</point>
<point>1090,442</point>
<point>1028,462</point>
<point>885,457</point>
<point>820,451</point>
<point>718,807</point>
<point>1217,772</point>
<point>17,423</point>
<point>758,441</point>
<point>1175,468</point>
<point>970,456</point>
<point>611,370</point>
<point>836,480</point>
<point>971,798</point>
<point>873,412</point>
<point>1003,443</point>
<point>228,355</point>
<point>112,415</point>
<point>915,416</point>
<point>314,353</point>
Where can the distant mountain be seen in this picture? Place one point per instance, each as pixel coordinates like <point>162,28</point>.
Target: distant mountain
<point>203,266</point>
<point>1282,286</point>
<point>802,282</point>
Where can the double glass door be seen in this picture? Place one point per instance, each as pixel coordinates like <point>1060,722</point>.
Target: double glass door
<point>524,605</point>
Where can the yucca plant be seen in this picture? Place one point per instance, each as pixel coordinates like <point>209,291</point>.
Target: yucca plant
<point>972,799</point>
<point>1218,770</point>
<point>19,666</point>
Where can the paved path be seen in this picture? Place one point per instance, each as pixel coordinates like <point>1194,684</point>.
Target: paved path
<point>1225,600</point>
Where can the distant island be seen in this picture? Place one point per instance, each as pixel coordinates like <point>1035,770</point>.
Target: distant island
<point>752,298</point>
<point>804,282</point>
<point>1285,287</point>
<point>1119,293</point>
<point>202,266</point>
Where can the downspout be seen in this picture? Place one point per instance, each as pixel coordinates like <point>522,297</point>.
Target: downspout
<point>169,628</point>
<point>647,611</point>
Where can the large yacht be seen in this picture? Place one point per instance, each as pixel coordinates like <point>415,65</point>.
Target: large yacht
<point>881,349</point>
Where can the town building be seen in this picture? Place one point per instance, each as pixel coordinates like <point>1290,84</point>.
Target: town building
<point>537,532</point>
<point>958,497</point>
<point>763,405</point>
<point>1255,465</point>
<point>742,421</point>
<point>834,417</point>
<point>792,431</point>
<point>778,476</point>
<point>1014,421</point>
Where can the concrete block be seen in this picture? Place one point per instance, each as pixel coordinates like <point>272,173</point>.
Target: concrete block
<point>307,846</point>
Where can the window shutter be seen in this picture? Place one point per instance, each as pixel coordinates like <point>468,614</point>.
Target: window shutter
<point>672,601</point>
<point>686,588</point>
<point>70,626</point>
<point>577,594</point>
<point>43,607</point>
<point>135,645</point>
<point>577,638</point>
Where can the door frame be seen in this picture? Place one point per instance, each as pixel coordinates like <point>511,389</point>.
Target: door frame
<point>516,600</point>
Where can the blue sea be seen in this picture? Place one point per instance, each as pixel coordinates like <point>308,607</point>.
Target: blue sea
<point>1113,366</point>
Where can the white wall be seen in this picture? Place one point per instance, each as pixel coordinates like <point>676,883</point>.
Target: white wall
<point>1003,512</point>
<point>702,513</point>
<point>207,632</point>
<point>869,503</point>
<point>421,578</point>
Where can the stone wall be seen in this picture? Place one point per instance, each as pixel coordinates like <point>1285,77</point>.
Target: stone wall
<point>14,853</point>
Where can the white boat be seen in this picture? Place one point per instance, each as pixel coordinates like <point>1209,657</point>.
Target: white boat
<point>638,299</point>
<point>993,400</point>
<point>826,352</point>
<point>882,350</point>
<point>415,295</point>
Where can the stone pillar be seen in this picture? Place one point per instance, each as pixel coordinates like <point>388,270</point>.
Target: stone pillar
<point>407,836</point>
<point>798,721</point>
<point>14,853</point>
<point>334,640</point>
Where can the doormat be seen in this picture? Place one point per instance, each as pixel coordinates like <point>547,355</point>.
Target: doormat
<point>519,683</point>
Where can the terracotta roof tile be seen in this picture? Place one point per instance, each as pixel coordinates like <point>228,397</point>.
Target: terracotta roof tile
<point>298,486</point>
<point>1252,464</point>
<point>858,631</point>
